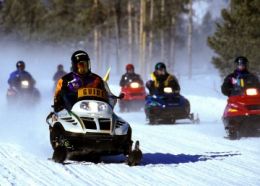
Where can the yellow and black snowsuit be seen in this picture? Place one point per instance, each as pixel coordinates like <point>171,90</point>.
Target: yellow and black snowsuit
<point>158,83</point>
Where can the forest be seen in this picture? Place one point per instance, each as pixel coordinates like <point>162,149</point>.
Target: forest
<point>141,32</point>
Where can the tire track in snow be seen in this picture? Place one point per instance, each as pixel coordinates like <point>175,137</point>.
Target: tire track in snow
<point>7,175</point>
<point>77,173</point>
<point>20,164</point>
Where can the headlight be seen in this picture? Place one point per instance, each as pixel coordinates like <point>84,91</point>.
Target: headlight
<point>251,92</point>
<point>24,84</point>
<point>134,85</point>
<point>167,90</point>
<point>93,106</point>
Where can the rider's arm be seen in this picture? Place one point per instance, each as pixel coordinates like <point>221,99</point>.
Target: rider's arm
<point>122,81</point>
<point>11,79</point>
<point>140,79</point>
<point>227,86</point>
<point>57,97</point>
<point>256,81</point>
<point>32,81</point>
<point>173,83</point>
<point>176,85</point>
<point>150,86</point>
<point>54,78</point>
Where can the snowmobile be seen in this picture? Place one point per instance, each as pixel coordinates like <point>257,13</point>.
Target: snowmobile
<point>168,107</point>
<point>242,113</point>
<point>90,128</point>
<point>134,98</point>
<point>23,94</point>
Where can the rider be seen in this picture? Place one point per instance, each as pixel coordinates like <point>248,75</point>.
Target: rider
<point>79,84</point>
<point>161,79</point>
<point>240,78</point>
<point>130,76</point>
<point>59,73</point>
<point>20,74</point>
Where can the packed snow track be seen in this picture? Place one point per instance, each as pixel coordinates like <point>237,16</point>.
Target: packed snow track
<point>180,154</point>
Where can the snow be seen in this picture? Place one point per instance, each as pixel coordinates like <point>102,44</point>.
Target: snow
<point>181,154</point>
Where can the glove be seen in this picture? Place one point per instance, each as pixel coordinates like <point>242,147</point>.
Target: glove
<point>233,81</point>
<point>149,84</point>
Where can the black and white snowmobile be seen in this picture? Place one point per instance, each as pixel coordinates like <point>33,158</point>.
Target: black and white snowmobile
<point>91,128</point>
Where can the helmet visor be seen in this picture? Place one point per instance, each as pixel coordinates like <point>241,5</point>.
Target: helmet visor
<point>161,71</point>
<point>130,70</point>
<point>241,67</point>
<point>20,66</point>
<point>82,67</point>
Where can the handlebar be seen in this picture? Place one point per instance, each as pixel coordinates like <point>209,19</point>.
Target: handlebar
<point>121,96</point>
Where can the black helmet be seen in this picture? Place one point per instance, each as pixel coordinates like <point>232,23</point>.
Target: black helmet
<point>241,60</point>
<point>160,66</point>
<point>20,65</point>
<point>77,57</point>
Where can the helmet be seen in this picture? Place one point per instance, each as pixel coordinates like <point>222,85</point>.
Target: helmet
<point>80,62</point>
<point>129,67</point>
<point>241,60</point>
<point>160,66</point>
<point>20,65</point>
<point>60,67</point>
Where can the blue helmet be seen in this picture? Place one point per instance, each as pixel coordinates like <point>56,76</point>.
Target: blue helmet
<point>20,65</point>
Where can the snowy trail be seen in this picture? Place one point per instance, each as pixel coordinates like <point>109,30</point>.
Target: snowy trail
<point>181,154</point>
<point>196,159</point>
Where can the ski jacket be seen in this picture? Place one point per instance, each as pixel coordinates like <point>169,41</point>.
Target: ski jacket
<point>235,82</point>
<point>73,87</point>
<point>17,76</point>
<point>158,83</point>
<point>130,77</point>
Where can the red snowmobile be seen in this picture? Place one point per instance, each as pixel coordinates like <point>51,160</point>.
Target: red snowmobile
<point>134,97</point>
<point>242,113</point>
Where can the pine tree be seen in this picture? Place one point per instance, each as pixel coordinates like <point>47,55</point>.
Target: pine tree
<point>105,28</point>
<point>237,34</point>
<point>22,19</point>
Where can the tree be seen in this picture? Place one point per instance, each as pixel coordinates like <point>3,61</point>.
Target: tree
<point>143,35</point>
<point>151,34</point>
<point>99,26</point>
<point>237,34</point>
<point>22,19</point>
<point>130,31</point>
<point>190,29</point>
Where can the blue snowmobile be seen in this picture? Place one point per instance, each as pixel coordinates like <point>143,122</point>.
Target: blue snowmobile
<point>168,107</point>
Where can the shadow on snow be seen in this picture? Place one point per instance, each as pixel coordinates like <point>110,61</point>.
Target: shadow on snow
<point>161,158</point>
<point>166,158</point>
